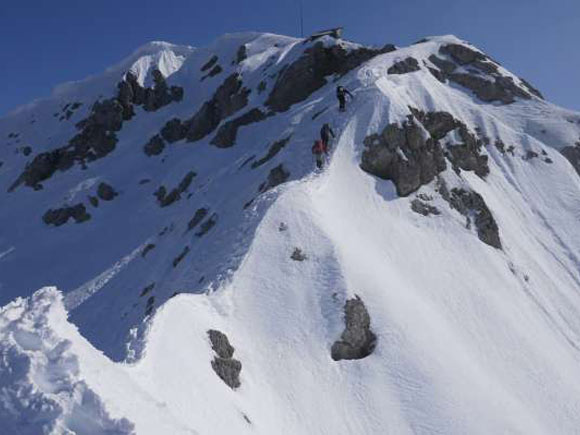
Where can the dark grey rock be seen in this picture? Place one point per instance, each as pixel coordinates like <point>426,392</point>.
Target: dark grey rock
<point>298,255</point>
<point>199,215</point>
<point>423,159</point>
<point>277,176</point>
<point>531,155</point>
<point>445,66</point>
<point>155,146</point>
<point>531,89</point>
<point>461,54</point>
<point>94,201</point>
<point>146,249</point>
<point>467,155</point>
<point>405,66</point>
<point>166,199</point>
<point>207,225</point>
<point>220,344</point>
<point>275,148</point>
<point>173,130</point>
<point>224,365</point>
<point>242,54</point>
<point>150,306</point>
<point>227,133</point>
<point>181,256</point>
<point>60,216</point>
<point>501,89</point>
<point>572,153</point>
<point>473,207</point>
<point>213,72</point>
<point>298,80</point>
<point>228,371</point>
<point>423,208</point>
<point>357,340</point>
<point>209,63</point>
<point>147,289</point>
<point>106,192</point>
<point>230,97</point>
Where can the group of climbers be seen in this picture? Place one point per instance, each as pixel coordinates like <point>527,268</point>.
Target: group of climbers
<point>321,147</point>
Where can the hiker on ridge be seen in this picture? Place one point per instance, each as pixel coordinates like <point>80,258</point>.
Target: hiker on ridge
<point>320,151</point>
<point>341,93</point>
<point>326,133</point>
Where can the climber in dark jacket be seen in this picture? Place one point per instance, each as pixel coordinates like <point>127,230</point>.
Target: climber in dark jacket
<point>326,133</point>
<point>341,93</point>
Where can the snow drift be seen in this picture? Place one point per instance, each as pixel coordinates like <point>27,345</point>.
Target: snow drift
<point>426,281</point>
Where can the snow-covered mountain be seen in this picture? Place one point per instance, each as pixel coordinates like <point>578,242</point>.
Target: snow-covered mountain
<point>211,281</point>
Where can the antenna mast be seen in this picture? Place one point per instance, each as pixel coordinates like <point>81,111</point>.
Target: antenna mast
<point>301,19</point>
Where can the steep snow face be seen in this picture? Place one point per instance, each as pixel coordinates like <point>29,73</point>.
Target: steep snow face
<point>440,243</point>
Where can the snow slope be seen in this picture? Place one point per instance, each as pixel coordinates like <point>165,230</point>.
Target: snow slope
<point>470,338</point>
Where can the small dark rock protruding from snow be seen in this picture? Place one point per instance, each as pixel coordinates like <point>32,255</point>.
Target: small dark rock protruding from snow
<point>155,146</point>
<point>166,199</point>
<point>275,148</point>
<point>211,62</point>
<point>298,255</point>
<point>199,215</point>
<point>181,256</point>
<point>224,364</point>
<point>147,289</point>
<point>60,216</point>
<point>423,208</point>
<point>277,176</point>
<point>146,249</point>
<point>207,225</point>
<point>106,192</point>
<point>357,340</point>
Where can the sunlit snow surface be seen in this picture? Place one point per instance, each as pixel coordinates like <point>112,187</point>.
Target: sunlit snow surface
<point>470,339</point>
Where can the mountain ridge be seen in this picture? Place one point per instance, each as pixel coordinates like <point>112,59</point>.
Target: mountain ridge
<point>425,280</point>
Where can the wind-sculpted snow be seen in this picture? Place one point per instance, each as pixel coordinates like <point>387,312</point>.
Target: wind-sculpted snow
<point>42,388</point>
<point>460,236</point>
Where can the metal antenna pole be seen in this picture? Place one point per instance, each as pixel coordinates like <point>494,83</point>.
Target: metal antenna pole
<point>301,19</point>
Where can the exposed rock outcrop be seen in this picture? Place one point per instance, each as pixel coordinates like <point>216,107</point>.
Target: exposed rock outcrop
<point>357,341</point>
<point>60,216</point>
<point>207,225</point>
<point>106,192</point>
<point>277,175</point>
<point>97,137</point>
<point>181,256</point>
<point>473,207</point>
<point>424,208</point>
<point>412,154</point>
<point>405,155</point>
<point>230,97</point>
<point>199,215</point>
<point>572,153</point>
<point>224,364</point>
<point>274,149</point>
<point>155,146</point>
<point>211,62</point>
<point>405,66</point>
<point>308,73</point>
<point>166,199</point>
<point>481,75</point>
<point>227,133</point>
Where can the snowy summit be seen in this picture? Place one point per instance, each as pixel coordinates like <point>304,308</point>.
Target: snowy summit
<point>173,262</point>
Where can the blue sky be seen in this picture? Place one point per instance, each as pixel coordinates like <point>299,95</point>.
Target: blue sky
<point>44,43</point>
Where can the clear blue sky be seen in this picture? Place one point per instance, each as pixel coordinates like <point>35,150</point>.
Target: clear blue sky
<point>44,43</point>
